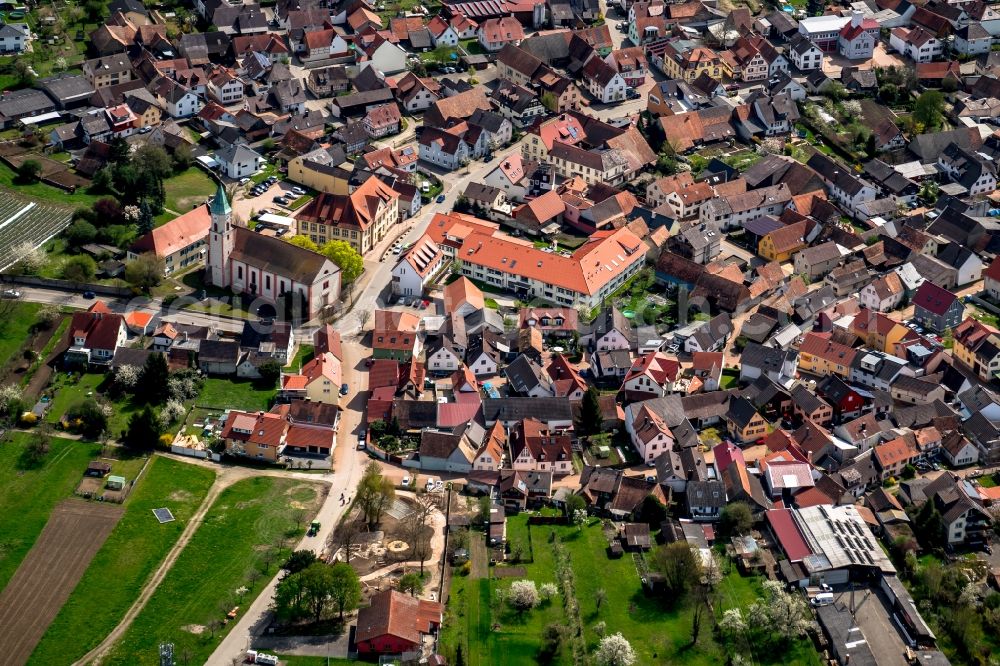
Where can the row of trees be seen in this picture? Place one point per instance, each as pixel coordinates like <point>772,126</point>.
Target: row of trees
<point>311,590</point>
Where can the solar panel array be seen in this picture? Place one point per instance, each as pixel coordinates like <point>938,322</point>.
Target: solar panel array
<point>163,515</point>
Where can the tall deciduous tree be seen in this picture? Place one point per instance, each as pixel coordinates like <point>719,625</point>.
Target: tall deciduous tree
<point>375,493</point>
<point>145,272</point>
<point>80,268</point>
<point>680,566</point>
<point>345,588</point>
<point>347,259</point>
<point>303,242</point>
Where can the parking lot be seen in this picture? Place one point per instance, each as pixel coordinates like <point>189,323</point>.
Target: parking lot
<point>248,204</point>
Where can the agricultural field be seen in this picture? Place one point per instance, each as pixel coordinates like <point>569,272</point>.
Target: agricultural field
<point>29,493</point>
<point>660,632</point>
<point>129,557</point>
<point>24,220</point>
<point>247,532</point>
<point>32,599</point>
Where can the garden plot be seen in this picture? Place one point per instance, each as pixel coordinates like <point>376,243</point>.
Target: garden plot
<point>22,221</point>
<point>45,579</point>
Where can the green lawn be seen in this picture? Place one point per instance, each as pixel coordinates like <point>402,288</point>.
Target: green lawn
<point>70,388</point>
<point>658,631</point>
<point>43,192</point>
<point>14,329</point>
<point>128,558</point>
<point>300,202</point>
<point>730,377</point>
<point>305,354</point>
<point>235,394</point>
<point>985,317</point>
<point>247,520</point>
<point>184,191</point>
<point>28,495</point>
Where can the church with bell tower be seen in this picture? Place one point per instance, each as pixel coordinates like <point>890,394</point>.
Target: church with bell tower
<point>266,267</point>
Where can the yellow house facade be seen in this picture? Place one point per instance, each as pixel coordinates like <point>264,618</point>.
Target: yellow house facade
<point>692,63</point>
<point>325,178</point>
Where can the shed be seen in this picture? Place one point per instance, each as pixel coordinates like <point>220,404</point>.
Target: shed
<point>116,482</point>
<point>98,469</point>
<point>635,536</point>
<point>475,61</point>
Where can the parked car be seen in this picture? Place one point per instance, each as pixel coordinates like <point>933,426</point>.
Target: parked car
<point>344,389</point>
<point>314,528</point>
<point>298,190</point>
<point>405,483</point>
<point>89,294</point>
<point>11,293</point>
<point>440,198</point>
<point>278,199</point>
<point>244,181</point>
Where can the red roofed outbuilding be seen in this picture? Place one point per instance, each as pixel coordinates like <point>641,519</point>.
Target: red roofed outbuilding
<point>395,623</point>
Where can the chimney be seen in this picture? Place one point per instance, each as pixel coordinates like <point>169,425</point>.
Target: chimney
<point>856,19</point>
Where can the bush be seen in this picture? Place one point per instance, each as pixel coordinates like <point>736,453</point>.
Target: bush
<point>465,569</point>
<point>523,595</point>
<point>547,591</point>
<point>166,440</point>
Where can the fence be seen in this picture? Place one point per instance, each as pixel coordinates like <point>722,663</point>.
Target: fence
<point>195,453</point>
<point>980,302</point>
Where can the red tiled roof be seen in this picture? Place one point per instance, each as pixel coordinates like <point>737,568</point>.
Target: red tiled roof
<point>817,345</point>
<point>176,234</point>
<point>933,298</point>
<point>393,613</point>
<point>893,452</point>
<point>791,539</point>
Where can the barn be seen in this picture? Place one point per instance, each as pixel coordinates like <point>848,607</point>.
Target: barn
<point>395,623</point>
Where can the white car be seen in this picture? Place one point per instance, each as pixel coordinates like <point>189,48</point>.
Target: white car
<point>406,481</point>
<point>11,293</point>
<point>244,181</point>
<point>298,190</point>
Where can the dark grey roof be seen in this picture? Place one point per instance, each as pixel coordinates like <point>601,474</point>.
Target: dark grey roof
<point>218,351</point>
<point>22,103</point>
<point>706,494</point>
<point>274,255</point>
<point>806,400</point>
<point>741,411</point>
<point>517,409</point>
<point>768,359</point>
<point>66,87</point>
<point>669,408</point>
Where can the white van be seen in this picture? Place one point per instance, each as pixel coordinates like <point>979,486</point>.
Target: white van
<point>822,599</point>
<point>267,659</point>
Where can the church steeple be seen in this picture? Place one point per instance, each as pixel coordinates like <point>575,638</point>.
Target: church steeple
<point>220,204</point>
<point>220,241</point>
